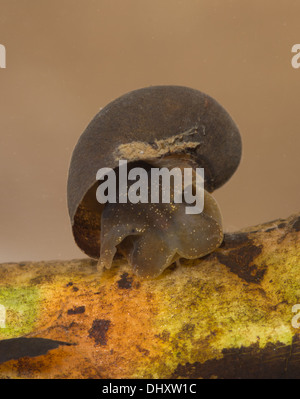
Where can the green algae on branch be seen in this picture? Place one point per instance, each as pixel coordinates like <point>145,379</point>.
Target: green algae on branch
<point>228,314</point>
<point>21,305</point>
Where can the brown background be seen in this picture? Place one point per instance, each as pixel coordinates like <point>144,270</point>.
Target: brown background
<point>68,58</point>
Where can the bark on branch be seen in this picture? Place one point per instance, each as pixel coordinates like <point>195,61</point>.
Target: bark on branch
<point>228,315</point>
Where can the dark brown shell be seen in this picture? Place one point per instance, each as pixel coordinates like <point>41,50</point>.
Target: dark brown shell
<point>147,124</point>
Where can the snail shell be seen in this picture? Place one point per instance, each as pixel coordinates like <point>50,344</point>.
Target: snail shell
<point>155,126</point>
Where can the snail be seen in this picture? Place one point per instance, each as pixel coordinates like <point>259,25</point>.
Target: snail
<point>154,127</point>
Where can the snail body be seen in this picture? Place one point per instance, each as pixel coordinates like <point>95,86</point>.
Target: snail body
<point>157,127</point>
